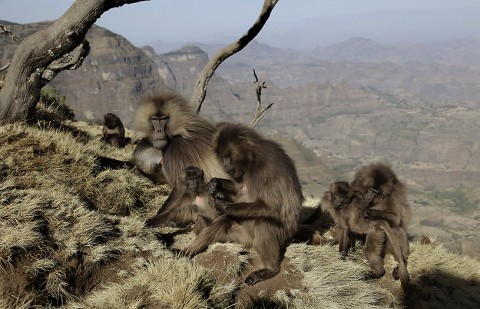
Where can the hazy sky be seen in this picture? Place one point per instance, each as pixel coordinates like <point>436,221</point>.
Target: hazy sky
<point>202,20</point>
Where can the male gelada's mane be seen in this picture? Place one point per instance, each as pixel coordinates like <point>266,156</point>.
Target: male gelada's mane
<point>190,136</point>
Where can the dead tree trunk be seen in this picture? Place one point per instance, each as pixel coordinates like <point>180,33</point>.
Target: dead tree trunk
<point>44,54</point>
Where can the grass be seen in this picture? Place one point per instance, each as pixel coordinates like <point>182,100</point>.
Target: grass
<point>72,236</point>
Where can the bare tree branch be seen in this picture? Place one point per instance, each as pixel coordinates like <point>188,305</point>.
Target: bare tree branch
<point>3,68</point>
<point>200,89</point>
<point>9,33</point>
<point>67,61</point>
<point>259,113</point>
<point>38,52</point>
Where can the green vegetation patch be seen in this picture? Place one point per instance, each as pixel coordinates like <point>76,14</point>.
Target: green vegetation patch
<point>459,200</point>
<point>307,154</point>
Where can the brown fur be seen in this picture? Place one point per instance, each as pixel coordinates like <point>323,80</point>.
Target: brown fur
<point>223,190</point>
<point>148,161</point>
<point>267,211</point>
<point>189,138</point>
<point>389,202</point>
<point>348,209</point>
<point>113,130</point>
<point>315,224</point>
<point>194,205</point>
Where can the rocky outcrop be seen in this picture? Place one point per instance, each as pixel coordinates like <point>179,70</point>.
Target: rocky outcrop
<point>112,78</point>
<point>179,69</point>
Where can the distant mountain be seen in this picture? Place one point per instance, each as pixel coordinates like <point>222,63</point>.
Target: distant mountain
<point>452,52</point>
<point>179,68</point>
<point>387,27</point>
<point>442,73</point>
<point>464,52</point>
<point>161,47</point>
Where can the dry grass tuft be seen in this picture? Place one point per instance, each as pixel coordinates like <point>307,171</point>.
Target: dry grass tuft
<point>58,237</point>
<point>73,236</point>
<point>332,282</point>
<point>442,279</point>
<point>169,283</point>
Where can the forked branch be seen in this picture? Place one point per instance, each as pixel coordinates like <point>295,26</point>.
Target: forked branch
<point>69,61</point>
<point>10,34</point>
<point>200,89</point>
<point>259,113</point>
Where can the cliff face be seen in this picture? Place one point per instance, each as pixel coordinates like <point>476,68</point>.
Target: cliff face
<point>187,63</point>
<point>113,77</point>
<point>179,69</point>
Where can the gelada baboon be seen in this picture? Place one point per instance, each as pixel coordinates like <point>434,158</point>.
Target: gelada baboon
<point>379,184</point>
<point>349,210</point>
<point>332,202</point>
<point>113,130</point>
<point>265,215</point>
<point>196,203</point>
<point>168,123</point>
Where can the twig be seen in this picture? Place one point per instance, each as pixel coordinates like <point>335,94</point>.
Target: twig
<point>259,113</point>
<point>9,33</point>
